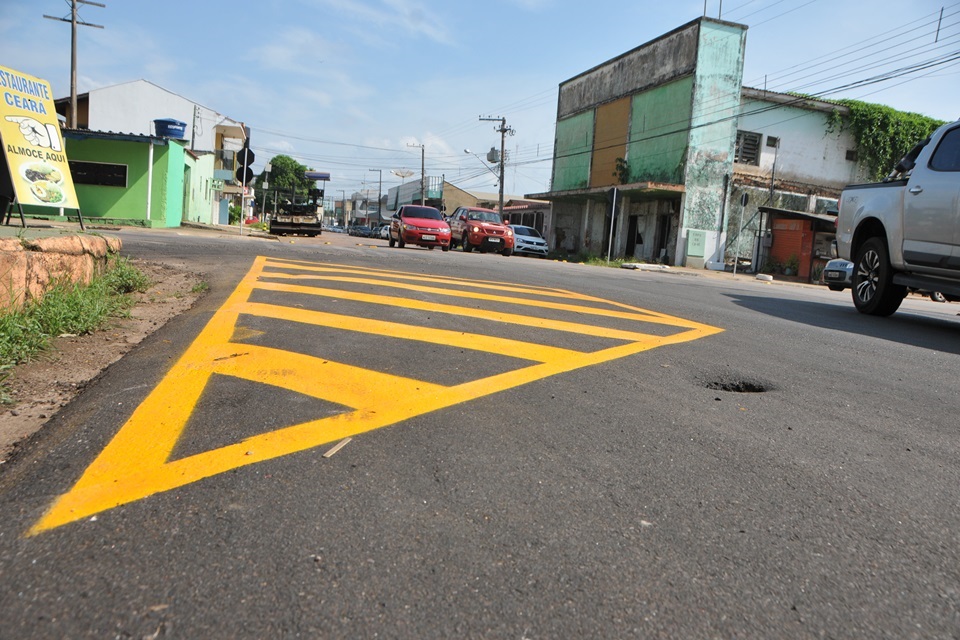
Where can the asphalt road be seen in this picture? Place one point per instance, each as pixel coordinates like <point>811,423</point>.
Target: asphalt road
<point>538,450</point>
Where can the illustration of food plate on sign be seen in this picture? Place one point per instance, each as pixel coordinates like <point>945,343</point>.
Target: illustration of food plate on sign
<point>45,181</point>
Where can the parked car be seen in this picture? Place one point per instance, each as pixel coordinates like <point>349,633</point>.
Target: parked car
<point>481,229</point>
<point>359,230</point>
<point>838,274</point>
<point>383,231</point>
<point>419,225</point>
<point>528,241</point>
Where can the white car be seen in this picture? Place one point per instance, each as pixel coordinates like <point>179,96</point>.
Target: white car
<point>838,274</point>
<point>528,241</point>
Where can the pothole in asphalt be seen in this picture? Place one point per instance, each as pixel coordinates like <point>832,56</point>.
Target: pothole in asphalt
<point>729,379</point>
<point>737,386</point>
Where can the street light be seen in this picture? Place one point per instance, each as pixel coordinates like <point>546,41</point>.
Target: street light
<point>379,195</point>
<point>488,167</point>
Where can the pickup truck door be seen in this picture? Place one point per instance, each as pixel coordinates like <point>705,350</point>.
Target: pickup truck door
<point>931,208</point>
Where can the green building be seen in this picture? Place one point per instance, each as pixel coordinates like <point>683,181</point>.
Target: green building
<point>654,130</point>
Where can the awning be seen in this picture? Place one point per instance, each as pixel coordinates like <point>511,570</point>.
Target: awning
<point>798,215</point>
<point>635,191</point>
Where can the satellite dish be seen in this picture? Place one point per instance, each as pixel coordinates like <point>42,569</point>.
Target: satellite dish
<point>403,174</point>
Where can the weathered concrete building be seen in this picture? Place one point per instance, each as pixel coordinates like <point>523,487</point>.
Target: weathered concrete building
<point>668,133</point>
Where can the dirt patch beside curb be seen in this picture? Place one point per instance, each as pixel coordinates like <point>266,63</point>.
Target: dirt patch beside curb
<point>40,388</point>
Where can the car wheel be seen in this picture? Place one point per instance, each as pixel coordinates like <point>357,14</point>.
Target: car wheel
<point>506,253</point>
<point>430,247</point>
<point>392,242</point>
<point>445,247</point>
<point>874,292</point>
<point>467,247</point>
<point>936,296</point>
<point>401,243</point>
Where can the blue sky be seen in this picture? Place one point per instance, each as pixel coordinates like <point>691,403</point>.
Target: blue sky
<point>347,86</point>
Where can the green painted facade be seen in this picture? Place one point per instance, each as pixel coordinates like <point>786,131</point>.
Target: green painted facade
<point>129,205</point>
<point>659,125</point>
<point>573,153</point>
<point>198,201</point>
<point>713,125</point>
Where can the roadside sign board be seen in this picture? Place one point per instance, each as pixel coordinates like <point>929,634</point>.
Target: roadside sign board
<point>32,142</point>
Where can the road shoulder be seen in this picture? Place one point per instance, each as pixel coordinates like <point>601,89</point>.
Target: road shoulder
<point>40,388</point>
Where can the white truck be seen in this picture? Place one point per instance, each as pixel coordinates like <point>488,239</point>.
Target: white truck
<point>904,233</point>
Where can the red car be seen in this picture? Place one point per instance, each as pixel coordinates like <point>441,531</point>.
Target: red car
<point>419,225</point>
<point>481,229</point>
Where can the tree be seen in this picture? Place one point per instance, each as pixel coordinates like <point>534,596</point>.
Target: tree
<point>286,176</point>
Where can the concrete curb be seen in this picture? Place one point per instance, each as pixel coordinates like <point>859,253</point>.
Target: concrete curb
<point>28,267</point>
<point>229,229</point>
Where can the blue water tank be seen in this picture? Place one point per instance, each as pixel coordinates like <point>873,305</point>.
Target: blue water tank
<point>170,128</point>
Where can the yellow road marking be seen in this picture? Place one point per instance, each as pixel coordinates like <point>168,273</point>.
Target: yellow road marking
<point>469,312</point>
<point>136,463</point>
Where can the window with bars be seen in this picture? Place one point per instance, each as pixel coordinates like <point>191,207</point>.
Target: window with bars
<point>748,148</point>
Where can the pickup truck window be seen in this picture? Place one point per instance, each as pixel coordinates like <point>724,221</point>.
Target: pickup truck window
<point>947,155</point>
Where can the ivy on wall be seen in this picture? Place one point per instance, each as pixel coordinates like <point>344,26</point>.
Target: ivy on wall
<point>883,134</point>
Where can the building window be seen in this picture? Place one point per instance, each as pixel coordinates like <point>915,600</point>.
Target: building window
<point>98,173</point>
<point>773,141</point>
<point>852,155</point>
<point>748,148</point>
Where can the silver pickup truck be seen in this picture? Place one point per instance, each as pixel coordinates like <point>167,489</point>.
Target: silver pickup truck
<point>904,233</point>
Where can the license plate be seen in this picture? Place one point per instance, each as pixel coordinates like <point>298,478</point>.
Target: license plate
<point>833,274</point>
<point>427,237</point>
<point>494,239</point>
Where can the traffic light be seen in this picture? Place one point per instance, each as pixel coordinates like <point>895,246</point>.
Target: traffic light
<point>244,162</point>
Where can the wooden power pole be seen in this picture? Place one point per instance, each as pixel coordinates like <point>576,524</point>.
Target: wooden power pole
<point>74,21</point>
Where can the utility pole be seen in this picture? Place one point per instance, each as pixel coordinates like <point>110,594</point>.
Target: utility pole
<point>379,195</point>
<point>264,187</point>
<point>503,130</point>
<point>73,51</point>
<point>423,172</point>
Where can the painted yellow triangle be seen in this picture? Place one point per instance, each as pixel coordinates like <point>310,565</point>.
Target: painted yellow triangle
<point>136,463</point>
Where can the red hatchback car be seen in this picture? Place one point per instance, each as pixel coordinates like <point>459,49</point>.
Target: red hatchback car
<point>419,225</point>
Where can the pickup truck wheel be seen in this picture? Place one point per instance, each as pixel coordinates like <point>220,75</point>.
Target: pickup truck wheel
<point>873,290</point>
<point>392,242</point>
<point>401,243</point>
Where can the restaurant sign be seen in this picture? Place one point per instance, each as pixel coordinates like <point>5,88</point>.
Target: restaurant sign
<point>32,142</point>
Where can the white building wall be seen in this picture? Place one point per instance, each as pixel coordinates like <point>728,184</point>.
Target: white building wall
<point>807,153</point>
<point>132,107</point>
